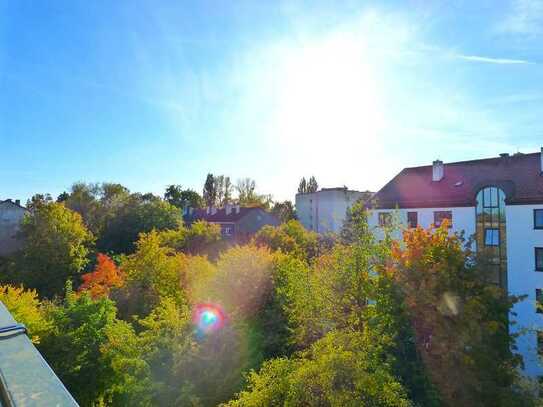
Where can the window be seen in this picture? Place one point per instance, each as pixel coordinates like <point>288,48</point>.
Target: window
<point>538,218</point>
<point>227,230</point>
<point>439,216</point>
<point>539,300</point>
<point>492,237</point>
<point>412,219</point>
<point>385,219</point>
<point>539,258</point>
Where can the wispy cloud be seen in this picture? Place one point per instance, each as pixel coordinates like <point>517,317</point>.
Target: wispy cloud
<point>489,60</point>
<point>525,17</point>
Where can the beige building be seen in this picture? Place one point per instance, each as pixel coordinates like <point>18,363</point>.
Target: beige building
<point>11,216</point>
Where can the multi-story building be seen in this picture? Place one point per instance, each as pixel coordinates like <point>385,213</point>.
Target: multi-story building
<point>11,216</point>
<point>499,201</point>
<point>325,210</point>
<point>237,223</point>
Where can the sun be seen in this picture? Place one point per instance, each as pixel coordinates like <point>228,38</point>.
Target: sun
<point>328,94</point>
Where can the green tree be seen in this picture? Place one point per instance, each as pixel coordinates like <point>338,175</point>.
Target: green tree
<point>167,342</point>
<point>38,200</point>
<point>290,237</point>
<point>210,192</point>
<point>284,211</point>
<point>183,198</point>
<point>200,238</point>
<point>136,216</point>
<point>312,185</point>
<point>247,195</point>
<point>342,369</point>
<point>152,272</point>
<point>25,307</point>
<point>302,187</point>
<point>130,381</point>
<point>56,248</point>
<point>75,347</point>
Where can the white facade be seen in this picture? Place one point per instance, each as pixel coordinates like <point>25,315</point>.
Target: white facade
<point>522,279</point>
<point>462,218</point>
<point>325,210</point>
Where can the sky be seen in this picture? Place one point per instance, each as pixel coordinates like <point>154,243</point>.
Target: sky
<point>152,93</point>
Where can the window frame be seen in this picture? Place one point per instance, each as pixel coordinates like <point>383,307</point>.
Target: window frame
<point>536,251</point>
<point>441,220</point>
<point>409,224</point>
<point>381,219</point>
<point>535,217</point>
<point>499,237</point>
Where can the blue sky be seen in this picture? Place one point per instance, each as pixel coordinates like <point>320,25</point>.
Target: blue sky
<point>149,93</point>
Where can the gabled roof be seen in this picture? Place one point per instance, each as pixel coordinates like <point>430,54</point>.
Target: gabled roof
<point>221,216</point>
<point>9,201</point>
<point>518,175</point>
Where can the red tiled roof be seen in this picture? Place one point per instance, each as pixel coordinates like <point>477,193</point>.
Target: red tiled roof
<point>221,216</point>
<point>518,175</point>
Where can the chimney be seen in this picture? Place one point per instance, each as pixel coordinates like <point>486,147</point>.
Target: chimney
<point>18,202</point>
<point>236,208</point>
<point>228,209</point>
<point>208,210</point>
<point>541,161</point>
<point>504,155</point>
<point>438,170</point>
<point>213,210</point>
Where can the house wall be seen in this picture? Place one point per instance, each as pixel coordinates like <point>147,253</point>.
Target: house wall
<point>11,216</point>
<point>463,219</point>
<point>325,210</point>
<point>522,278</point>
<point>254,221</point>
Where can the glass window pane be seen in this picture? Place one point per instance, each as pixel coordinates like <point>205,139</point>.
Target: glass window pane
<point>539,258</point>
<point>493,197</point>
<point>538,218</point>
<point>412,219</point>
<point>492,237</point>
<point>486,198</point>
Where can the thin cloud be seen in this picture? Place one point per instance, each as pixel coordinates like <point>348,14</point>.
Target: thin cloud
<point>488,60</point>
<point>525,17</point>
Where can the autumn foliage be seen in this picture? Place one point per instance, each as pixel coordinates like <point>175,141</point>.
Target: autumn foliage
<point>459,320</point>
<point>106,275</point>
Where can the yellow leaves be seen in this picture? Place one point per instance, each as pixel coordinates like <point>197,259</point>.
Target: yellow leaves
<point>244,281</point>
<point>24,306</point>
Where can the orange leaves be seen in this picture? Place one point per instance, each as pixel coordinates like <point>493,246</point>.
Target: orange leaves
<point>106,275</point>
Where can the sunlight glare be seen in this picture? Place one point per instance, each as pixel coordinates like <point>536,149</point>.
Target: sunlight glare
<point>329,92</point>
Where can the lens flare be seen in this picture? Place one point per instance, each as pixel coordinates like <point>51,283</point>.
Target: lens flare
<point>208,318</point>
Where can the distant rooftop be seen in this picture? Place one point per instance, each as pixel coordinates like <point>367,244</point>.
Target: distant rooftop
<point>343,188</point>
<point>519,175</point>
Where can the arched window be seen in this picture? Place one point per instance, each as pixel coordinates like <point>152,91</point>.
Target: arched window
<point>491,231</point>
